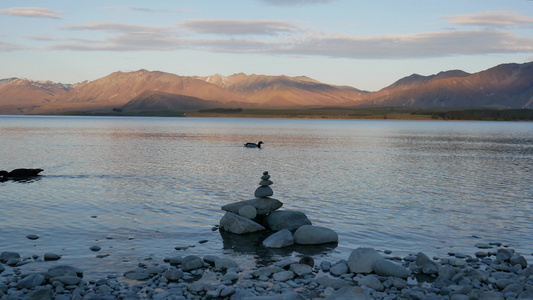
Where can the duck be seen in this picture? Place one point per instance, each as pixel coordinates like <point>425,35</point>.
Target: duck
<point>20,173</point>
<point>253,145</point>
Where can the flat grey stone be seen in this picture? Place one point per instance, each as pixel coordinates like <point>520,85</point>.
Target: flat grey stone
<point>30,282</point>
<point>287,219</point>
<point>315,235</point>
<point>283,276</point>
<point>385,267</point>
<point>191,262</point>
<point>262,205</point>
<point>301,269</point>
<point>339,269</point>
<point>134,275</point>
<point>248,211</point>
<point>239,225</point>
<point>63,271</point>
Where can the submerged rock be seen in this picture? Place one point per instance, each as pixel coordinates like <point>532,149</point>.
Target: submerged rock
<point>280,239</point>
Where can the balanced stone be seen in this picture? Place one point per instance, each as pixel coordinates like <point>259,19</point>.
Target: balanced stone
<point>264,190</point>
<point>262,205</point>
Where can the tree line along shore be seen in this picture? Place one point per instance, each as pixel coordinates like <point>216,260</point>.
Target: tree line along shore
<point>391,113</point>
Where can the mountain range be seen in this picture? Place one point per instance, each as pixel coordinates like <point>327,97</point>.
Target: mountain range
<point>503,86</point>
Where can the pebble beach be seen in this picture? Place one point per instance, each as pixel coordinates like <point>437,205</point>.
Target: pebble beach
<point>494,272</point>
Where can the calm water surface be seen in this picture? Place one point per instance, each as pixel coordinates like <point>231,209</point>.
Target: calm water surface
<point>139,187</point>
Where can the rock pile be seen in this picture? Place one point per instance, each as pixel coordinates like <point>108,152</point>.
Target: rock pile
<point>291,227</point>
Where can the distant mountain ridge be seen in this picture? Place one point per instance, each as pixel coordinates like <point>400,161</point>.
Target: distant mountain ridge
<point>504,86</point>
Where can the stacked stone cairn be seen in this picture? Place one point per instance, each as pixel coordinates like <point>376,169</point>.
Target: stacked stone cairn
<point>290,226</point>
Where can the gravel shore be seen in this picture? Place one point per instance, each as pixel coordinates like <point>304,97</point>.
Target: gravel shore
<point>494,272</point>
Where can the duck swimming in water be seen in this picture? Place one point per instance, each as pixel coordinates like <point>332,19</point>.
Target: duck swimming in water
<point>253,145</point>
<point>20,173</point>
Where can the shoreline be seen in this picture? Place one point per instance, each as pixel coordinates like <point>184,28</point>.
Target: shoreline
<point>493,272</point>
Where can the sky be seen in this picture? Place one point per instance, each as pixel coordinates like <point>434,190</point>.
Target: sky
<point>364,44</point>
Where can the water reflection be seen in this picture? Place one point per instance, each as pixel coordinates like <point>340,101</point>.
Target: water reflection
<point>21,180</point>
<point>252,244</point>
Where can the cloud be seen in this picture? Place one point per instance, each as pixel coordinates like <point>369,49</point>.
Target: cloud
<point>491,18</point>
<point>113,27</point>
<point>296,2</point>
<point>122,37</point>
<point>35,12</point>
<point>435,44</point>
<point>240,27</point>
<point>5,46</point>
<point>128,37</point>
<point>147,10</point>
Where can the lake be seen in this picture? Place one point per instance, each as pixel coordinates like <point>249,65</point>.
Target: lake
<point>140,186</point>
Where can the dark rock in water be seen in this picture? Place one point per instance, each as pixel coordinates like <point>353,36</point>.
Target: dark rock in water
<point>280,239</point>
<point>95,248</point>
<point>287,219</point>
<point>32,237</point>
<point>5,256</point>
<point>236,224</point>
<point>51,256</point>
<point>262,205</point>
